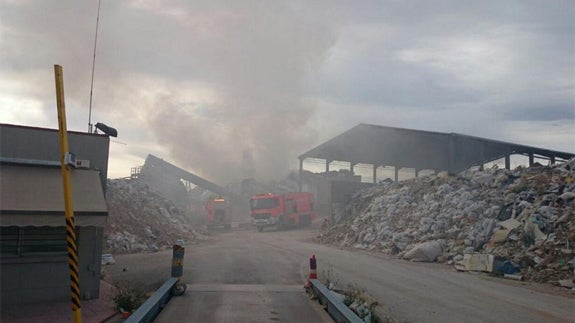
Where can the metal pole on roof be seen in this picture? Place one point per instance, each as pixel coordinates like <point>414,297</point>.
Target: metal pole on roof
<point>93,66</point>
<point>66,159</point>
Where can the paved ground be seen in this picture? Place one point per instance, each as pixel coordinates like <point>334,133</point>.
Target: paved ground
<point>246,276</point>
<point>238,278</point>
<point>93,311</point>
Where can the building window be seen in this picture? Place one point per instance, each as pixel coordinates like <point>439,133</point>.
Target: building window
<point>32,241</point>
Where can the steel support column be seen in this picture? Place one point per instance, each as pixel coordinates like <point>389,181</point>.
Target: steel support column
<point>451,154</point>
<point>396,173</point>
<point>482,156</point>
<point>300,174</point>
<point>531,159</point>
<point>552,159</point>
<point>507,161</point>
<point>375,173</point>
<point>352,166</point>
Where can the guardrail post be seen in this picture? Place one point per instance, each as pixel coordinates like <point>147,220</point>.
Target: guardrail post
<point>312,270</point>
<point>178,269</point>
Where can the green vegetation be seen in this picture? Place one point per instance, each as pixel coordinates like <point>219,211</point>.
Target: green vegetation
<point>128,299</point>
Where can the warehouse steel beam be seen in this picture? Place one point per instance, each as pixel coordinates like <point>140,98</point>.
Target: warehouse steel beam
<point>327,162</point>
<point>300,173</point>
<point>171,170</point>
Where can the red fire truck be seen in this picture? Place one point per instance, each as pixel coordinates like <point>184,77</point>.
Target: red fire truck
<point>281,210</point>
<point>218,214</point>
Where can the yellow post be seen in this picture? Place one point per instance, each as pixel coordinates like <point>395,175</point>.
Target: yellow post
<point>69,208</point>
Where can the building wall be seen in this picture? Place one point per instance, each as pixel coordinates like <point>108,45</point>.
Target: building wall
<point>37,279</point>
<point>90,243</point>
<point>43,144</point>
<point>32,279</point>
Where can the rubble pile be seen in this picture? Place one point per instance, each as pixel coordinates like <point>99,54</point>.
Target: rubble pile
<point>523,219</point>
<point>140,220</point>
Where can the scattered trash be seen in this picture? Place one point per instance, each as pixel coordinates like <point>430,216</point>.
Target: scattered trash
<point>566,283</point>
<point>425,252</point>
<point>505,267</point>
<point>139,220</point>
<point>514,277</point>
<point>524,216</point>
<point>108,259</point>
<point>476,262</point>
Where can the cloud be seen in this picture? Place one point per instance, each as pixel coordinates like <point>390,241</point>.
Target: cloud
<point>543,113</point>
<point>215,85</point>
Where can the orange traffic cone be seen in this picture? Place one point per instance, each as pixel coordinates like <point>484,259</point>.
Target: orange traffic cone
<point>312,271</point>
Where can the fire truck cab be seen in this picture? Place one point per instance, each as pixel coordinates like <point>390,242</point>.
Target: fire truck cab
<point>281,210</point>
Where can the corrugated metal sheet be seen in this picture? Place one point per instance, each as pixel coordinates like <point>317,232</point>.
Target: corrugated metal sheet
<point>33,195</point>
<point>389,146</point>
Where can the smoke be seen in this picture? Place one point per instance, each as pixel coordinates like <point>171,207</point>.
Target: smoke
<point>213,86</point>
<point>256,59</point>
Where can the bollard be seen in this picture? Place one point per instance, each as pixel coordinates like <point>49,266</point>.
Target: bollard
<point>178,269</point>
<point>312,271</point>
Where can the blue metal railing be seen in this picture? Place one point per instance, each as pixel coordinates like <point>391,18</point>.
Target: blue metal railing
<point>335,307</point>
<point>153,305</point>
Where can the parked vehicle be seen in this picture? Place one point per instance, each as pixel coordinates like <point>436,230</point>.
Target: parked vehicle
<point>218,214</point>
<point>281,210</point>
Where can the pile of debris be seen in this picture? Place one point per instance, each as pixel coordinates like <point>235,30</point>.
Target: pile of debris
<point>140,220</point>
<point>521,221</point>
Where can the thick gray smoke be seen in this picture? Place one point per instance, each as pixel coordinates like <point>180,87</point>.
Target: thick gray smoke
<point>258,58</point>
<point>156,60</point>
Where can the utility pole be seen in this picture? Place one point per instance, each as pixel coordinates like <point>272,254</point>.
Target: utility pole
<point>66,159</point>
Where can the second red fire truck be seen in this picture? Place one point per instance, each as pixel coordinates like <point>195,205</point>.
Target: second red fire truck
<point>218,214</point>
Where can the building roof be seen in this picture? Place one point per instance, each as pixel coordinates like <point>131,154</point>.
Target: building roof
<point>32,143</point>
<point>33,195</point>
<point>389,146</point>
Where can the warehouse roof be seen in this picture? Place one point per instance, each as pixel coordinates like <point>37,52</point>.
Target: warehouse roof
<point>381,145</point>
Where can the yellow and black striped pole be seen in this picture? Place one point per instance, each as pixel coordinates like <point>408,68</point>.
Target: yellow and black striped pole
<point>178,269</point>
<point>69,208</point>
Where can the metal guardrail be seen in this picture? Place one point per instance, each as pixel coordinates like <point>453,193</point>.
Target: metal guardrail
<point>335,307</point>
<point>153,305</point>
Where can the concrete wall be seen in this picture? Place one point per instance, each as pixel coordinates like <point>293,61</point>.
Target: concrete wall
<point>37,279</point>
<point>43,144</point>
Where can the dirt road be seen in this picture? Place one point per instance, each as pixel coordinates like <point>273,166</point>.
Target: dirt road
<point>248,274</point>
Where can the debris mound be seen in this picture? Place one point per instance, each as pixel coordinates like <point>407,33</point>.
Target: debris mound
<point>139,220</point>
<point>523,218</point>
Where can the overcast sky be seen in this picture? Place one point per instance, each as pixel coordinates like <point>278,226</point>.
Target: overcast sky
<point>231,89</point>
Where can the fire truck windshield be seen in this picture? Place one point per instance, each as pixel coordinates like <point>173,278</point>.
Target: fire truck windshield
<point>257,204</point>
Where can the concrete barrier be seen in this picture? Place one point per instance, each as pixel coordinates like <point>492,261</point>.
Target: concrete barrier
<point>153,305</point>
<point>334,306</point>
